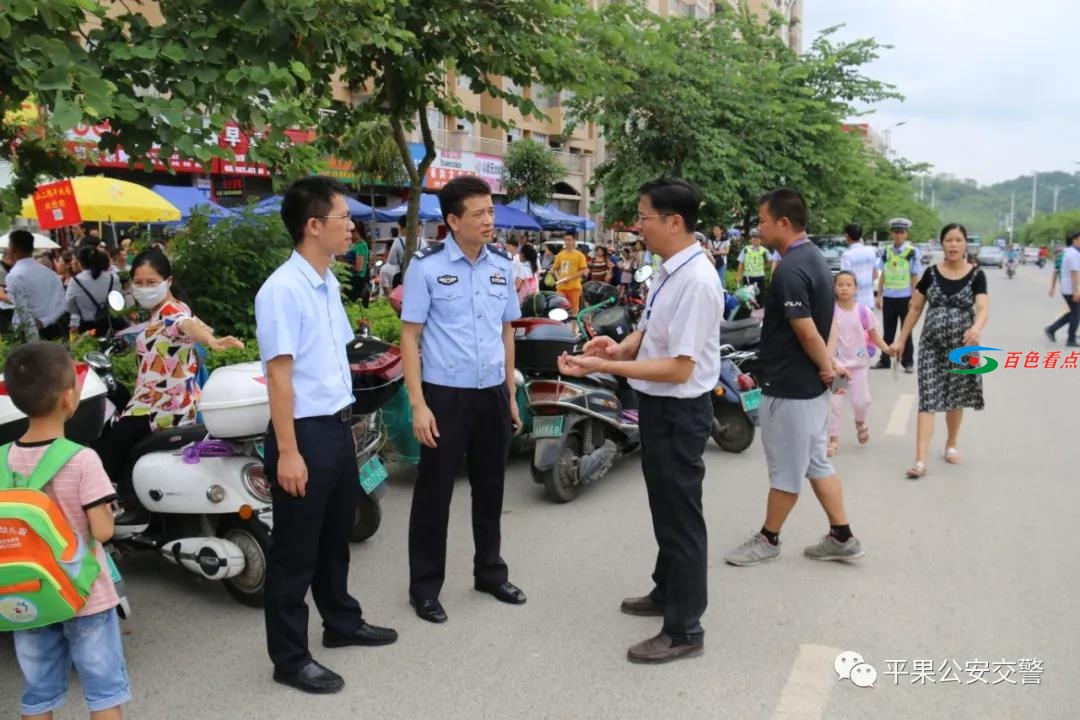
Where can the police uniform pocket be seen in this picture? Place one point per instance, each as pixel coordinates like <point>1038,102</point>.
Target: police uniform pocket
<point>446,293</point>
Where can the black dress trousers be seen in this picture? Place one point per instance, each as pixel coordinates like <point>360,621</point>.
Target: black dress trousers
<point>476,424</point>
<point>893,312</point>
<point>310,541</point>
<point>674,433</point>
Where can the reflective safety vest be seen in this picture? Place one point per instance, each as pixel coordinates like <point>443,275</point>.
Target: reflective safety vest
<point>754,261</point>
<point>898,268</point>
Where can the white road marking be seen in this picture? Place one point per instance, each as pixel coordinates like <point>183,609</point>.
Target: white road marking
<point>808,685</point>
<point>899,419</point>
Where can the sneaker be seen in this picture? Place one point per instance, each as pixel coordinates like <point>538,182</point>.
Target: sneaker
<point>755,550</point>
<point>832,549</point>
<point>1072,343</point>
<point>909,369</point>
<point>1050,334</point>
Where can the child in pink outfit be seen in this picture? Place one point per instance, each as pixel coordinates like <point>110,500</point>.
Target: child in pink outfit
<point>854,331</point>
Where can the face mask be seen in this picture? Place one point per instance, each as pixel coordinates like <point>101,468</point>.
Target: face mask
<point>152,296</point>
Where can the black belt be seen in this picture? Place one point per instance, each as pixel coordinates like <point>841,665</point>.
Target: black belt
<point>345,415</point>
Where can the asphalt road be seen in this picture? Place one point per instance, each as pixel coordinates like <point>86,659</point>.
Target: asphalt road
<point>974,563</point>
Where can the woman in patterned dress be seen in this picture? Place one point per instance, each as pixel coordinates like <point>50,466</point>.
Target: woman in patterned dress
<point>957,310</point>
<point>166,393</point>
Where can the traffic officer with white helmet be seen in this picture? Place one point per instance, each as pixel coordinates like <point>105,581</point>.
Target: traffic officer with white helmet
<point>459,300</point>
<point>900,272</point>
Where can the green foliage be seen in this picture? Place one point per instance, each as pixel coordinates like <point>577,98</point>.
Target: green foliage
<point>1050,229</point>
<point>385,323</point>
<point>984,209</point>
<point>220,268</point>
<point>530,171</point>
<point>725,103</point>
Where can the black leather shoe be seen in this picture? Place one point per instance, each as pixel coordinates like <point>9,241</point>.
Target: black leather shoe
<point>508,592</point>
<point>430,610</point>
<point>312,678</point>
<point>369,635</point>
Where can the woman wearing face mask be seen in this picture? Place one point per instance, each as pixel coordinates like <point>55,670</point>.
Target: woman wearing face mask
<point>165,393</point>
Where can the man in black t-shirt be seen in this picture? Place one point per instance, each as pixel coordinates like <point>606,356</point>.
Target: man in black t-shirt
<point>797,373</point>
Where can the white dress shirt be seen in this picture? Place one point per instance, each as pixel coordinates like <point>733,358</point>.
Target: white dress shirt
<point>682,319</point>
<point>862,261</point>
<point>37,293</point>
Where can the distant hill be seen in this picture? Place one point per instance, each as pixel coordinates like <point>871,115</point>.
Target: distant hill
<point>985,209</point>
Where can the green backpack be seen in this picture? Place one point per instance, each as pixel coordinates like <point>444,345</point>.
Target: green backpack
<point>46,568</point>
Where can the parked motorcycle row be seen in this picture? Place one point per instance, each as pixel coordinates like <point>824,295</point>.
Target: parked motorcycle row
<point>205,502</point>
<point>203,487</point>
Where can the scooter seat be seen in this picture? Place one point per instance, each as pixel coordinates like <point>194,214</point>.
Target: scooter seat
<point>168,440</point>
<point>733,325</point>
<point>603,380</point>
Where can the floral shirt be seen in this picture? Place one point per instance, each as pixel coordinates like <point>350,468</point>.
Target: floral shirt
<point>166,390</point>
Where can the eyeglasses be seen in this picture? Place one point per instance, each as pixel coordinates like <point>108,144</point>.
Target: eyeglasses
<point>643,216</point>
<point>343,216</point>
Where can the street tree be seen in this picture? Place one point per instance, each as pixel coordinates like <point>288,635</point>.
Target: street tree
<point>493,48</point>
<point>530,171</point>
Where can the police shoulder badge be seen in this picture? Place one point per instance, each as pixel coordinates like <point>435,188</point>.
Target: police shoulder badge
<point>430,250</point>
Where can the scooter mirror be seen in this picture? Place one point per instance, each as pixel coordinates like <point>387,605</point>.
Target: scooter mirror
<point>643,273</point>
<point>116,300</point>
<point>559,314</point>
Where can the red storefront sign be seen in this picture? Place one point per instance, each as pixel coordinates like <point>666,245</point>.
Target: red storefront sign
<point>55,205</point>
<point>82,142</point>
<point>235,139</point>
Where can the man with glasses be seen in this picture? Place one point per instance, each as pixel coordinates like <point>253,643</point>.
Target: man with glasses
<point>458,303</point>
<point>310,456</point>
<point>672,361</point>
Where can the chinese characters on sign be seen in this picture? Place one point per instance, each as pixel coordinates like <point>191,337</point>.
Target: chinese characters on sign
<point>1052,360</point>
<point>55,205</point>
<point>1023,671</point>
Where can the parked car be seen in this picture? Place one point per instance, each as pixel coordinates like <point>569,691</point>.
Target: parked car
<point>990,256</point>
<point>832,247</point>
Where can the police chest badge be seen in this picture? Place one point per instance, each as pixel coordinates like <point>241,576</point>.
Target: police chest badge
<point>447,279</point>
<point>498,279</point>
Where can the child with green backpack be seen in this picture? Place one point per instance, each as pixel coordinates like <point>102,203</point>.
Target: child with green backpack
<point>56,592</point>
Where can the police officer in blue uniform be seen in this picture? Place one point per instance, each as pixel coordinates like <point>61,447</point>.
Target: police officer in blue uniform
<point>458,351</point>
<point>310,454</point>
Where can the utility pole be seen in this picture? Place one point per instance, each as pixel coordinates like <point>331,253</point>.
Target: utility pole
<point>1012,216</point>
<point>1057,191</point>
<point>933,198</point>
<point>1034,187</point>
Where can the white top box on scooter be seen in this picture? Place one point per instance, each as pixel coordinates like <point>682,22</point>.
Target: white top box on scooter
<point>235,402</point>
<point>83,428</point>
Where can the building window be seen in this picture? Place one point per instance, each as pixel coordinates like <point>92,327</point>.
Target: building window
<point>512,87</point>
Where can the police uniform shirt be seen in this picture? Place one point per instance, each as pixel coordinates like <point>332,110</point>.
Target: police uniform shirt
<point>682,319</point>
<point>300,314</point>
<point>891,255</point>
<point>462,306</point>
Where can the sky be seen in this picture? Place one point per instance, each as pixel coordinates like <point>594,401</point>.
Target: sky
<point>991,86</point>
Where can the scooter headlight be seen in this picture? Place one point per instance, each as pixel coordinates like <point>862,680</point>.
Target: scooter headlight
<point>253,478</point>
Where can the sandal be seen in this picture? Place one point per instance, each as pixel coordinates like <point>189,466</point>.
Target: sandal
<point>916,471</point>
<point>952,456</point>
<point>864,432</point>
<point>833,448</point>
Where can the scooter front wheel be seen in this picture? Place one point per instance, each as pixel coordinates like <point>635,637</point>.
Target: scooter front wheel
<point>733,431</point>
<point>561,481</point>
<point>253,539</point>
<point>368,518</point>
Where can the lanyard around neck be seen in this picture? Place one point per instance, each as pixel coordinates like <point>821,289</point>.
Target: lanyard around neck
<point>655,295</point>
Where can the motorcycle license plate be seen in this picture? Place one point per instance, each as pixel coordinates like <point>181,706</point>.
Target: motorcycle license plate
<point>751,400</point>
<point>372,474</point>
<point>548,427</point>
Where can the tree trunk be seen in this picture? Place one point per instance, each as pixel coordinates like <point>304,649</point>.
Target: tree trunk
<point>416,177</point>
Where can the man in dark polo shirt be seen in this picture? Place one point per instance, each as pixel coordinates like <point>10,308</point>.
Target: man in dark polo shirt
<point>797,374</point>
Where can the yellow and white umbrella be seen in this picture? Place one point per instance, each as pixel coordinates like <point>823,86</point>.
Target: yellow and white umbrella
<point>102,199</point>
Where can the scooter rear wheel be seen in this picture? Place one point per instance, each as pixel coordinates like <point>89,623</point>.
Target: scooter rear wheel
<point>561,481</point>
<point>732,429</point>
<point>253,539</point>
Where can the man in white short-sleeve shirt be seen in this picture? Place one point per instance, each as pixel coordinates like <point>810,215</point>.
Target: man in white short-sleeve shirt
<point>862,262</point>
<point>673,361</point>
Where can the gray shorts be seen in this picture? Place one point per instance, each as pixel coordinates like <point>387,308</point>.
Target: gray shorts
<point>795,435</point>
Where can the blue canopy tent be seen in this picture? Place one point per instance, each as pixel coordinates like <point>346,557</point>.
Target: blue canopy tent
<point>186,199</point>
<point>552,218</point>
<point>272,205</point>
<point>509,218</point>
<point>430,210</point>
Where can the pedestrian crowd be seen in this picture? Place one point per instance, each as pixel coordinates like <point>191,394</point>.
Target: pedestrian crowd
<point>458,298</point>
